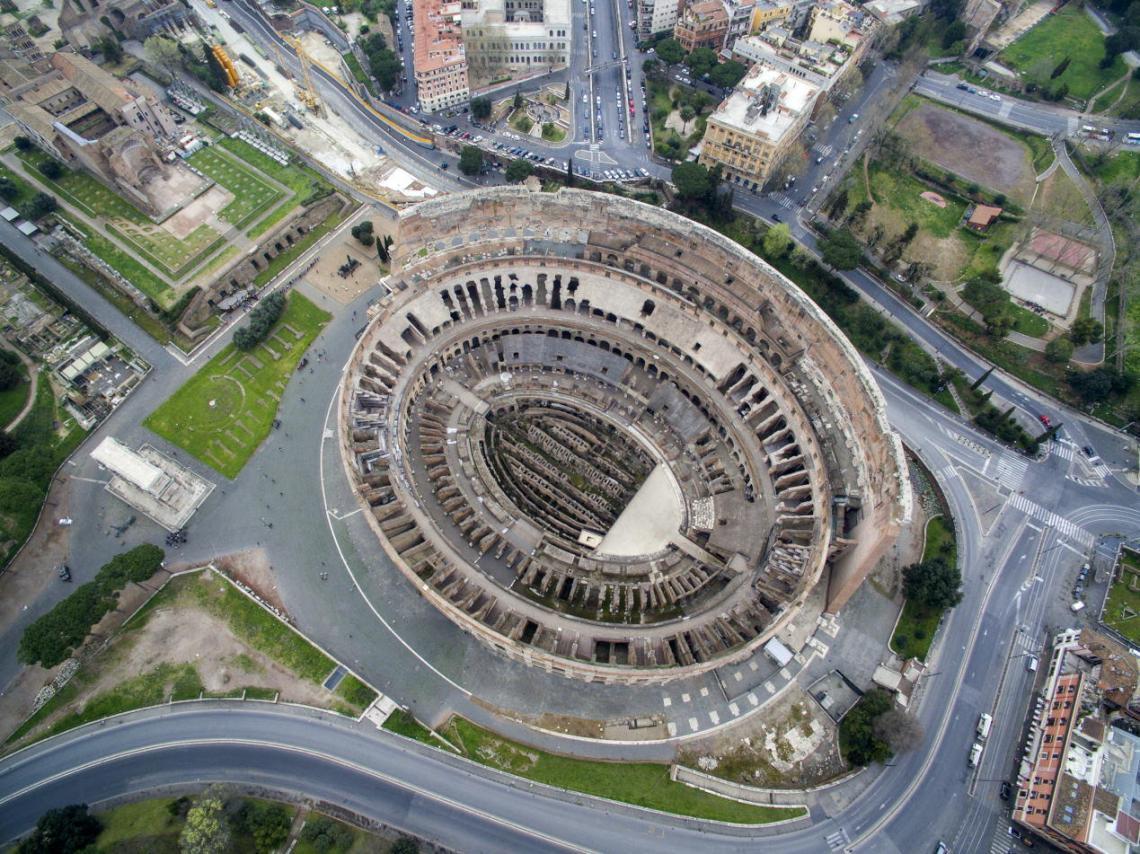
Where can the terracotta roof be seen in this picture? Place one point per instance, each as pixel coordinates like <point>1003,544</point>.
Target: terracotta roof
<point>983,215</point>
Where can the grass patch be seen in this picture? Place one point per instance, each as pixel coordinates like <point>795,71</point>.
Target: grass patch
<point>1070,34</point>
<point>165,682</point>
<point>641,784</point>
<point>402,723</point>
<point>12,400</point>
<point>145,826</point>
<point>1122,610</point>
<point>224,412</point>
<point>252,194</point>
<point>259,628</point>
<point>521,122</point>
<point>553,133</point>
<point>143,319</point>
<point>158,289</point>
<point>903,193</point>
<point>355,692</point>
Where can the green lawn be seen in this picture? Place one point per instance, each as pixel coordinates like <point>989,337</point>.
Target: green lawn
<point>402,723</point>
<point>904,194</point>
<point>641,784</point>
<point>224,412</point>
<point>252,194</point>
<point>83,191</point>
<point>1069,33</point>
<point>133,271</point>
<point>145,826</point>
<point>1122,610</point>
<point>307,185</point>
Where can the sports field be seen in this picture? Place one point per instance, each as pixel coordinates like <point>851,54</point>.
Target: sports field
<point>224,412</point>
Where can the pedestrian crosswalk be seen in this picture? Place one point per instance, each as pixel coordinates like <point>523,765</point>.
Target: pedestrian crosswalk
<point>1059,524</point>
<point>837,840</point>
<point>1011,470</point>
<point>784,201</point>
<point>823,150</point>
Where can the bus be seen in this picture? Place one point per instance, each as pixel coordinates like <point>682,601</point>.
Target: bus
<point>1133,139</point>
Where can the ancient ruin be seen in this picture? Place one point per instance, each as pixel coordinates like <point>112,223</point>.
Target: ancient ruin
<point>607,440</point>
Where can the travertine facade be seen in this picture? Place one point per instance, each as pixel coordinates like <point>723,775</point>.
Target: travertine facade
<point>610,442</point>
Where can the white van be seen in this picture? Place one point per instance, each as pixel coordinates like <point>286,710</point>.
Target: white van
<point>975,754</point>
<point>1077,607</point>
<point>1031,664</point>
<point>984,723</point>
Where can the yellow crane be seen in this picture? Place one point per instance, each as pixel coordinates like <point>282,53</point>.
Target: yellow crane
<point>306,91</point>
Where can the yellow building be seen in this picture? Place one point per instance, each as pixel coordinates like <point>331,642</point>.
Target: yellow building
<point>766,12</point>
<point>756,126</point>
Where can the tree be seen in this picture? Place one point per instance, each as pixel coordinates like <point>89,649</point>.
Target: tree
<point>481,108</point>
<point>670,51</point>
<point>470,160</point>
<point>839,202</point>
<point>1059,350</point>
<point>383,247</point>
<point>206,830</point>
<point>325,835</point>
<point>857,740</point>
<point>163,52</point>
<point>268,824</point>
<point>109,46</point>
<point>10,375</point>
<point>902,732</point>
<point>519,102</point>
<point>8,190</point>
<point>216,76</point>
<point>23,143</point>
<point>62,831</point>
<point>956,32</point>
<point>688,113</point>
<point>988,297</point>
<point>383,62</point>
<point>40,206</point>
<point>1097,386</point>
<point>261,322</point>
<point>650,66</point>
<point>841,250</point>
<point>51,168</point>
<point>570,171</point>
<point>727,74</point>
<point>1086,330</point>
<point>692,181</point>
<point>362,231</point>
<point>405,845</point>
<point>519,170</point>
<point>701,61</point>
<point>777,240</point>
<point>933,583</point>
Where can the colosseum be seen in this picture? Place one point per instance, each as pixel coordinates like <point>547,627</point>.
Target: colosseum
<point>608,441</point>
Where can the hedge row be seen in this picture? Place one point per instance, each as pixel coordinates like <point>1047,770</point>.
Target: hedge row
<point>261,322</point>
<point>51,638</point>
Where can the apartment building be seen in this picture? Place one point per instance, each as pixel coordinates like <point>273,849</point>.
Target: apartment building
<point>1078,786</point>
<point>440,64</point>
<point>656,16</point>
<point>764,13</point>
<point>755,127</point>
<point>515,38</point>
<point>836,21</point>
<point>702,24</point>
<point>822,64</point>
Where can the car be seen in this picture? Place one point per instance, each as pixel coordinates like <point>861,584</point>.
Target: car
<point>595,33</point>
<point>963,87</point>
<point>854,118</point>
<point>994,96</point>
<point>1046,420</point>
<point>613,55</point>
<point>819,160</point>
<point>585,98</point>
<point>644,172</point>
<point>598,100</point>
<point>64,572</point>
<point>1088,451</point>
<point>776,217</point>
<point>815,189</point>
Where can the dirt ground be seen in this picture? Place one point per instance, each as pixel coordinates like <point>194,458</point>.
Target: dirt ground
<point>1059,197</point>
<point>253,569</point>
<point>970,148</point>
<point>791,744</point>
<point>324,275</point>
<point>184,634</point>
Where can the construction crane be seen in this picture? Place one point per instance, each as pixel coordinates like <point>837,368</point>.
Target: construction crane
<point>306,91</point>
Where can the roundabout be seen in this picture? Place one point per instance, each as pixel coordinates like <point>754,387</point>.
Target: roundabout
<point>624,453</point>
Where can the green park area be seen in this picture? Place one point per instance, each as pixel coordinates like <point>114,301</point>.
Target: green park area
<point>1067,40</point>
<point>225,411</point>
<point>918,623</point>
<point>252,194</point>
<point>216,820</point>
<point>1122,610</point>
<point>641,784</point>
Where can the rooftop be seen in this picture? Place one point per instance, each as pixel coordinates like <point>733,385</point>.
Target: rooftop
<point>767,102</point>
<point>439,36</point>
